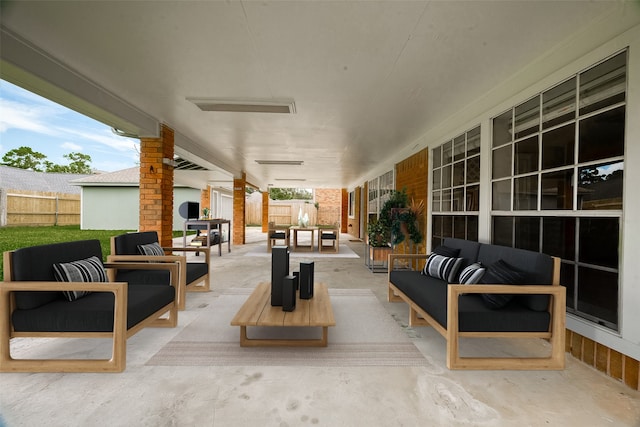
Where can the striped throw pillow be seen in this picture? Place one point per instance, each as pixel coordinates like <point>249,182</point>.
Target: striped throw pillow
<point>151,249</point>
<point>85,270</point>
<point>472,274</point>
<point>442,267</point>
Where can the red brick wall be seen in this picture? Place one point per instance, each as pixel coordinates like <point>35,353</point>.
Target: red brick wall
<point>205,198</point>
<point>265,211</point>
<point>156,185</point>
<point>413,174</point>
<point>330,202</point>
<point>239,204</point>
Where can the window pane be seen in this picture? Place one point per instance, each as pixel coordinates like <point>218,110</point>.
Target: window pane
<point>436,179</point>
<point>447,226</point>
<point>602,136</point>
<point>502,162</point>
<point>437,226</point>
<point>559,237</point>
<point>458,199</point>
<point>559,104</point>
<point>458,173</point>
<point>473,196</point>
<point>526,156</point>
<point>527,233</point>
<point>557,190</point>
<point>502,129</point>
<point>473,141</point>
<point>473,170</point>
<point>599,241</point>
<point>525,193</point>
<point>437,160</point>
<point>435,203</point>
<point>446,176</point>
<point>601,186</point>
<point>604,84</point>
<point>598,294</point>
<point>567,279</point>
<point>501,196</point>
<point>502,231</point>
<point>527,118</point>
<point>459,227</point>
<point>472,228</point>
<point>458,148</point>
<point>446,153</point>
<point>558,147</point>
<point>446,200</point>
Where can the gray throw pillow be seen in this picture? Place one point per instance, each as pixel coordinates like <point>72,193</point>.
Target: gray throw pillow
<point>85,270</point>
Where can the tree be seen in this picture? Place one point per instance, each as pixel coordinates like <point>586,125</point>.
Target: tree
<point>24,158</point>
<point>290,193</point>
<point>80,163</point>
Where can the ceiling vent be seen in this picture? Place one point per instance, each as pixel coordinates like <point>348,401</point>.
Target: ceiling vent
<point>281,162</point>
<point>282,106</point>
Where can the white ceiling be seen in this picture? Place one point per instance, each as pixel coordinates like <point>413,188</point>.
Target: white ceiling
<point>368,77</point>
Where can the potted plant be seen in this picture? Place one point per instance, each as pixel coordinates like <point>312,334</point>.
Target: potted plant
<point>378,234</point>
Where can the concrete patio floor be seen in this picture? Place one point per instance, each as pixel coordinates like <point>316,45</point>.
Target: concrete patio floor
<point>427,395</point>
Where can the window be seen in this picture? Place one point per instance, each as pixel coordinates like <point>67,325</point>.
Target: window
<point>379,189</point>
<point>557,178</point>
<point>352,204</point>
<point>455,188</point>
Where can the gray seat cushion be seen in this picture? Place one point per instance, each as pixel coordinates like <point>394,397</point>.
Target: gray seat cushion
<point>94,312</point>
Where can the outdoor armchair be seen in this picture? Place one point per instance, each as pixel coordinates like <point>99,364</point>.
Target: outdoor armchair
<point>144,246</point>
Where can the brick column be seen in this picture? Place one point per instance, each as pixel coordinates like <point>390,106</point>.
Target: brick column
<point>265,211</point>
<point>156,185</point>
<point>239,207</point>
<point>205,199</point>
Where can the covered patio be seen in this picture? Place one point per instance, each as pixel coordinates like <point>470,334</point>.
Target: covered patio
<point>363,389</point>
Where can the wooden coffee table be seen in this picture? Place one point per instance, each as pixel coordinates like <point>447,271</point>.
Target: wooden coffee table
<point>258,311</point>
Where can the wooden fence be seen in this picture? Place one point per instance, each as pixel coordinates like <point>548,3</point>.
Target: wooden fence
<point>38,208</point>
<point>282,212</point>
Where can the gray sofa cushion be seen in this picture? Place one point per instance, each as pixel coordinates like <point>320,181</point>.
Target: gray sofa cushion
<point>94,312</point>
<point>474,315</point>
<point>127,244</point>
<point>539,268</point>
<point>35,263</point>
<point>468,250</point>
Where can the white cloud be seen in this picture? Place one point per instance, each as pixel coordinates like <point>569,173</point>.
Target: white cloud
<point>15,115</point>
<point>71,146</point>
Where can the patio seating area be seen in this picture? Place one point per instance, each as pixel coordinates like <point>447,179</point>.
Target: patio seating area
<point>276,392</point>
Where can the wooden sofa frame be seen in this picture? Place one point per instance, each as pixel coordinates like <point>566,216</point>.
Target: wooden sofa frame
<point>119,335</point>
<point>181,260</point>
<point>555,335</point>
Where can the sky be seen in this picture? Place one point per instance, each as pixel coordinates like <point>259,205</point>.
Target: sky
<point>27,119</point>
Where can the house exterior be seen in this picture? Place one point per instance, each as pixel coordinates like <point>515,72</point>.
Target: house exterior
<point>111,201</point>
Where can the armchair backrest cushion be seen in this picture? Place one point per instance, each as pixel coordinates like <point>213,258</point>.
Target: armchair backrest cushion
<point>127,244</point>
<point>36,264</point>
<point>468,250</point>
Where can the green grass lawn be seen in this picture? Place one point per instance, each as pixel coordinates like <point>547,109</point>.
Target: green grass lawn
<point>20,237</point>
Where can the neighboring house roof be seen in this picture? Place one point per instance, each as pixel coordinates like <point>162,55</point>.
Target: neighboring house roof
<point>122,178</point>
<point>27,180</point>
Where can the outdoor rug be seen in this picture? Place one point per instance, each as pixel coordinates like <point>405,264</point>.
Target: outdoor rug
<point>344,252</point>
<point>364,335</point>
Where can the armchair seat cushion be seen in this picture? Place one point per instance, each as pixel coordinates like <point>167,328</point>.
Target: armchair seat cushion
<point>328,236</point>
<point>94,312</point>
<point>144,277</point>
<point>196,270</point>
<point>279,235</point>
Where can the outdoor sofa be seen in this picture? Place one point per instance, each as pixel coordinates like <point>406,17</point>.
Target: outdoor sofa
<point>518,296</point>
<point>64,290</point>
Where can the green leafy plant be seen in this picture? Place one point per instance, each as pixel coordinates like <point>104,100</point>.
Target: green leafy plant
<point>377,233</point>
